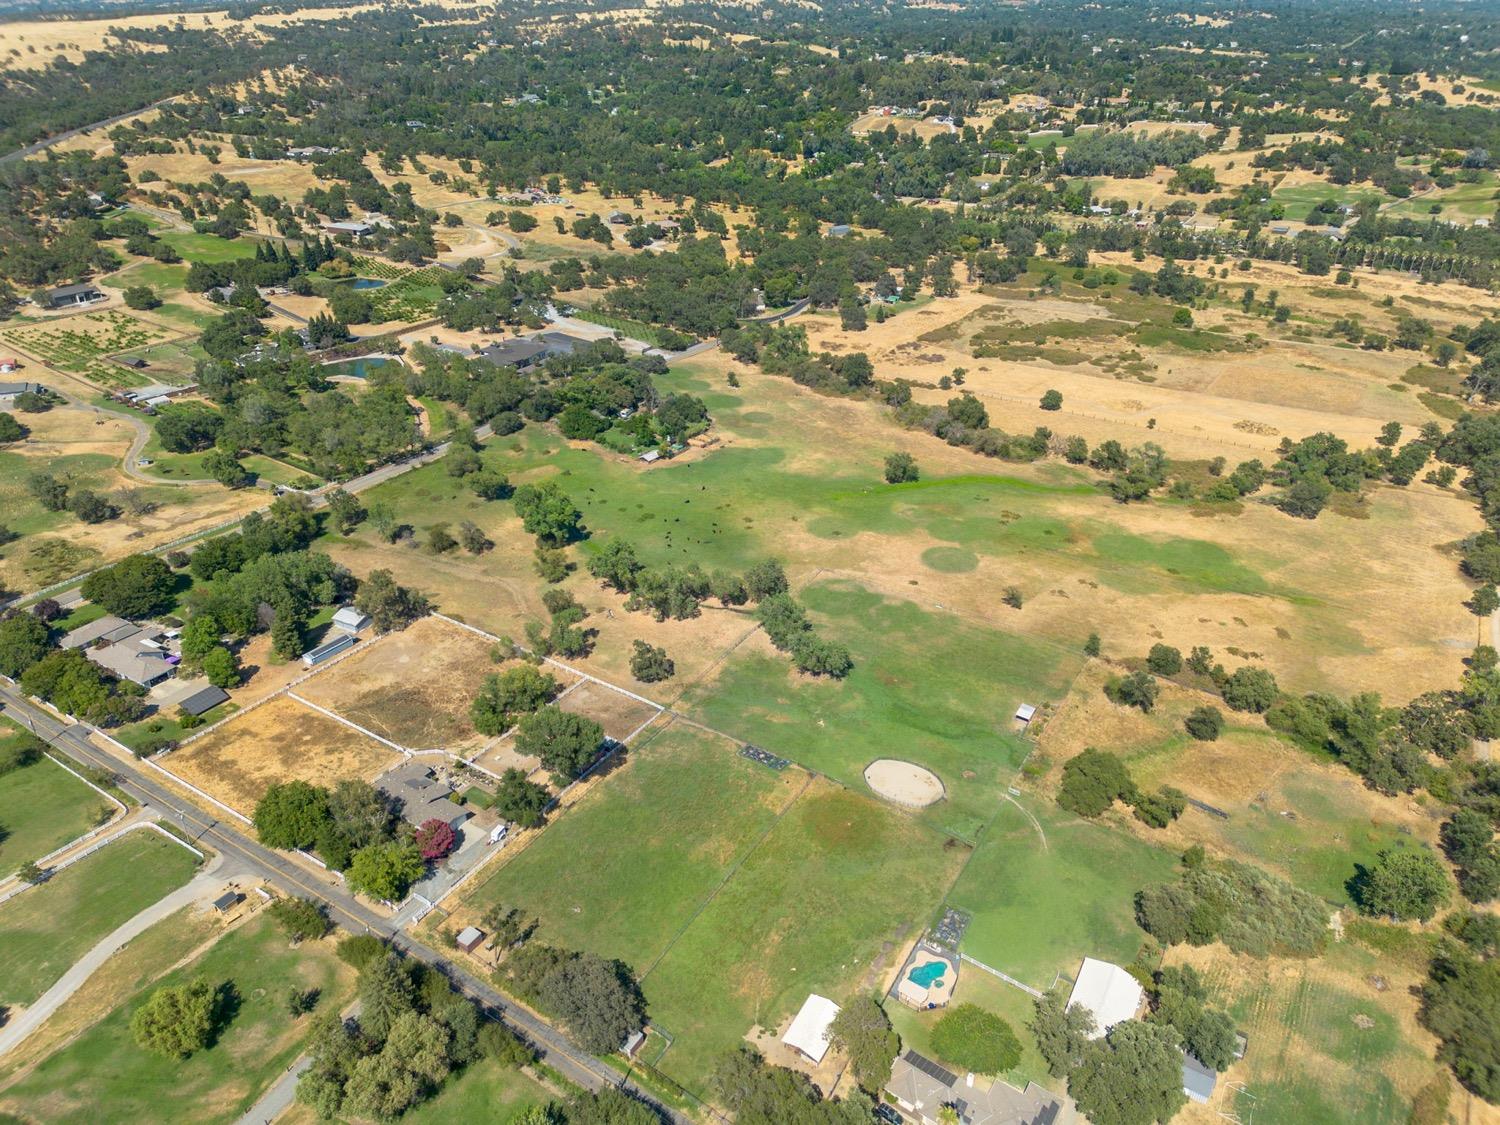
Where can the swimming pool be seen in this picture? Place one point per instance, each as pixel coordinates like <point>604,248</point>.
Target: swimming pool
<point>929,974</point>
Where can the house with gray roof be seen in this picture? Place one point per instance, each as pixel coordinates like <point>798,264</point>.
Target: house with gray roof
<point>70,296</point>
<point>520,353</point>
<point>124,649</point>
<point>922,1088</point>
<point>423,797</point>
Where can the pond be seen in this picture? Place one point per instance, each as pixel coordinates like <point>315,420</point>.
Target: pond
<point>367,283</point>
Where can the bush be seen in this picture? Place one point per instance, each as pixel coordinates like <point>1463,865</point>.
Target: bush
<point>1164,660</point>
<point>1052,400</point>
<point>1204,723</point>
<point>360,949</point>
<point>901,468</point>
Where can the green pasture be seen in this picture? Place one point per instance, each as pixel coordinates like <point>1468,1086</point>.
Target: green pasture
<point>927,687</point>
<point>484,1091</point>
<point>42,807</point>
<point>660,835</point>
<point>819,904</point>
<point>102,1076</point>
<point>23,514</point>
<point>1038,909</point>
<point>1298,203</point>
<point>46,929</point>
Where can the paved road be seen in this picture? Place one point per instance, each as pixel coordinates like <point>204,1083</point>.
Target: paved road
<point>291,878</point>
<point>48,142</point>
<point>198,888</point>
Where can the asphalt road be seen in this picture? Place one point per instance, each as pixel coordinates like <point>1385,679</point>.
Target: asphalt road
<point>346,911</point>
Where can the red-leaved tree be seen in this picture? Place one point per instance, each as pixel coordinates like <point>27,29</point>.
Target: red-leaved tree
<point>435,839</point>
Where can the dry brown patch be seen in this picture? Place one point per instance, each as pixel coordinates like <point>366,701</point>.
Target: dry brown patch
<point>413,687</point>
<point>280,741</point>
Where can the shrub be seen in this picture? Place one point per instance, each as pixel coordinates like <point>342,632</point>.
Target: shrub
<point>1204,723</point>
<point>1164,660</point>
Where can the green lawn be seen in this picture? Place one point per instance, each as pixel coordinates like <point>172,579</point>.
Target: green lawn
<point>1298,202</point>
<point>485,1092</point>
<point>46,929</point>
<point>1038,912</point>
<point>927,687</point>
<point>42,807</point>
<point>819,906</point>
<point>975,986</point>
<point>102,1077</point>
<point>660,835</point>
<point>160,276</point>
<point>209,248</point>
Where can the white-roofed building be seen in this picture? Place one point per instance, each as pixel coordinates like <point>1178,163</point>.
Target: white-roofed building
<point>1108,993</point>
<point>809,1031</point>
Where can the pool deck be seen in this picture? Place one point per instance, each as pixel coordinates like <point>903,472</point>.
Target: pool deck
<point>935,995</point>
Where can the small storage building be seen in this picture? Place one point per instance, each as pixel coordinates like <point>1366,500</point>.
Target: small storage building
<point>327,650</point>
<point>351,620</point>
<point>469,938</point>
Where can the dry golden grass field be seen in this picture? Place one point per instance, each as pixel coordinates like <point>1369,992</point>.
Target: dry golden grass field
<point>413,687</point>
<point>279,741</point>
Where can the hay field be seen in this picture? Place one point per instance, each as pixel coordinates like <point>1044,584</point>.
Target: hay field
<point>279,741</point>
<point>413,687</point>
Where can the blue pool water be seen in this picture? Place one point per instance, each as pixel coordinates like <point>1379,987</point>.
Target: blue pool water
<point>929,974</point>
<point>367,283</point>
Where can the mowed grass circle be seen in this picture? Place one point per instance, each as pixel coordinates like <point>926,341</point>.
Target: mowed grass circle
<point>950,560</point>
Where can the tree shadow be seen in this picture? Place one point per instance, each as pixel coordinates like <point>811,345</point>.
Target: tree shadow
<point>1358,885</point>
<point>227,1004</point>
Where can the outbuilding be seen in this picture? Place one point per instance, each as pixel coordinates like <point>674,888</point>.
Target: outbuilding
<point>808,1033</point>
<point>327,650</point>
<point>469,938</point>
<point>1198,1081</point>
<point>1108,993</point>
<point>1025,713</point>
<point>351,620</point>
<point>204,700</point>
<point>227,902</point>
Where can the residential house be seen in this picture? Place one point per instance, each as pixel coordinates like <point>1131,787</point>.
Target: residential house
<point>72,296</point>
<point>422,796</point>
<point>124,649</point>
<point>9,392</point>
<point>922,1089</point>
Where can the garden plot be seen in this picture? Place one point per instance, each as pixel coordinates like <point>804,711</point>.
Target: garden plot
<point>79,344</point>
<point>280,741</point>
<point>413,687</point>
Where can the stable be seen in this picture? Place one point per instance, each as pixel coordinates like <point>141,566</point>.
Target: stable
<point>808,1033</point>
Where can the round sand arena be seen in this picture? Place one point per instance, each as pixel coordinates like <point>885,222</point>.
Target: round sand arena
<point>904,783</point>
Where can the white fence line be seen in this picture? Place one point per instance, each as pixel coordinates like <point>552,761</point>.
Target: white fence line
<point>106,842</point>
<point>92,832</point>
<point>555,663</point>
<point>1006,977</point>
<point>308,703</point>
<point>191,788</point>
